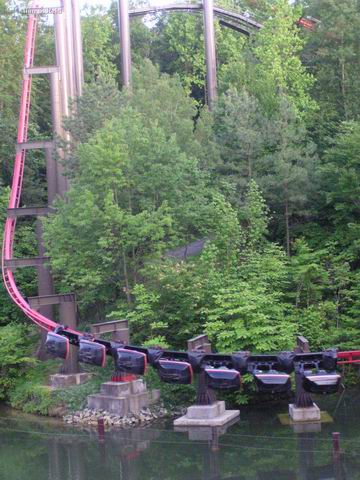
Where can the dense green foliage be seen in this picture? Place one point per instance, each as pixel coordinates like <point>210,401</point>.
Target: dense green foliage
<point>269,181</point>
<point>15,354</point>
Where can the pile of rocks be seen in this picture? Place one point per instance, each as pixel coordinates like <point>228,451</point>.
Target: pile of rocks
<point>91,417</point>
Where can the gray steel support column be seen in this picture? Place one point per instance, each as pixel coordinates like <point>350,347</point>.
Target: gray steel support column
<point>45,282</point>
<point>56,169</point>
<point>210,52</point>
<point>61,58</point>
<point>67,313</point>
<point>125,52</point>
<point>45,287</point>
<point>51,176</point>
<point>77,42</point>
<point>44,277</point>
<point>69,47</point>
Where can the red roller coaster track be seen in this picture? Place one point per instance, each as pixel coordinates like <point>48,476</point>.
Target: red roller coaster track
<point>14,202</point>
<point>17,181</point>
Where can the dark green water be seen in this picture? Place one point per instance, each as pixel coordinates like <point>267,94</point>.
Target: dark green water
<point>258,447</point>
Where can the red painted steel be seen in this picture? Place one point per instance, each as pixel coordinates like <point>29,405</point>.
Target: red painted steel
<point>348,357</point>
<point>122,377</point>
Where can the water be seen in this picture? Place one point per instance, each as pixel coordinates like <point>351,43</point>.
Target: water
<point>258,447</point>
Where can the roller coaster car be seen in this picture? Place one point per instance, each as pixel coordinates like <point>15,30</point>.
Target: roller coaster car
<point>57,346</point>
<point>130,361</point>
<point>222,378</point>
<point>171,371</point>
<point>240,361</point>
<point>272,381</point>
<point>91,352</point>
<point>329,360</point>
<point>321,382</point>
<point>286,361</point>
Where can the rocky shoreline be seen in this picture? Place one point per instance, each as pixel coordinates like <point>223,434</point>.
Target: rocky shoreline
<point>88,417</point>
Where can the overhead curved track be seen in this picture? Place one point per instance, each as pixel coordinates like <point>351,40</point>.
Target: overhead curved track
<point>196,7</point>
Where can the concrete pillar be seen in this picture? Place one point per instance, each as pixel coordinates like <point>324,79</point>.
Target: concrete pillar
<point>210,52</point>
<point>125,53</point>
<point>78,53</point>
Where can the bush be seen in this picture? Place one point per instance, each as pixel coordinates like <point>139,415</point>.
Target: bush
<point>30,392</point>
<point>16,345</point>
<point>171,395</point>
<point>75,397</point>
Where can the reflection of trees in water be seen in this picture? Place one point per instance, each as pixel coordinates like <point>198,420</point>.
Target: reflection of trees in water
<point>139,454</point>
<point>245,452</point>
<point>80,457</point>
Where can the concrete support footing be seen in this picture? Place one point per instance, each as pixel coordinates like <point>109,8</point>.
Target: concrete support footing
<point>306,427</point>
<point>67,380</point>
<point>308,414</point>
<point>214,415</point>
<point>122,398</point>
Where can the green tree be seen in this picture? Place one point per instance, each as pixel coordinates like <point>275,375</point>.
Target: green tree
<point>15,355</point>
<point>241,134</point>
<point>135,192</point>
<point>102,101</point>
<point>279,69</point>
<point>99,45</point>
<point>271,65</point>
<point>179,48</point>
<point>331,52</point>
<point>341,185</point>
<point>249,310</point>
<point>11,57</point>
<point>287,183</point>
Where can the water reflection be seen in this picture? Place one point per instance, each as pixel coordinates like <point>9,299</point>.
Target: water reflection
<point>257,448</point>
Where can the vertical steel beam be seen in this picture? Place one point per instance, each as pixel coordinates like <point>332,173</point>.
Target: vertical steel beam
<point>69,47</point>
<point>56,108</point>
<point>125,52</point>
<point>61,58</point>
<point>45,287</point>
<point>67,313</point>
<point>44,277</point>
<point>51,175</point>
<point>77,42</point>
<point>45,282</point>
<point>210,52</point>
<point>56,115</point>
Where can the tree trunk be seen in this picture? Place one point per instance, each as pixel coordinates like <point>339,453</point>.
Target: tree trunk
<point>343,77</point>
<point>287,227</point>
<point>127,287</point>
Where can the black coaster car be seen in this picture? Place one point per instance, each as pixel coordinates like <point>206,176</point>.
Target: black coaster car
<point>57,346</point>
<point>321,382</point>
<point>272,381</point>
<point>222,379</point>
<point>92,353</point>
<point>171,371</point>
<point>130,361</point>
